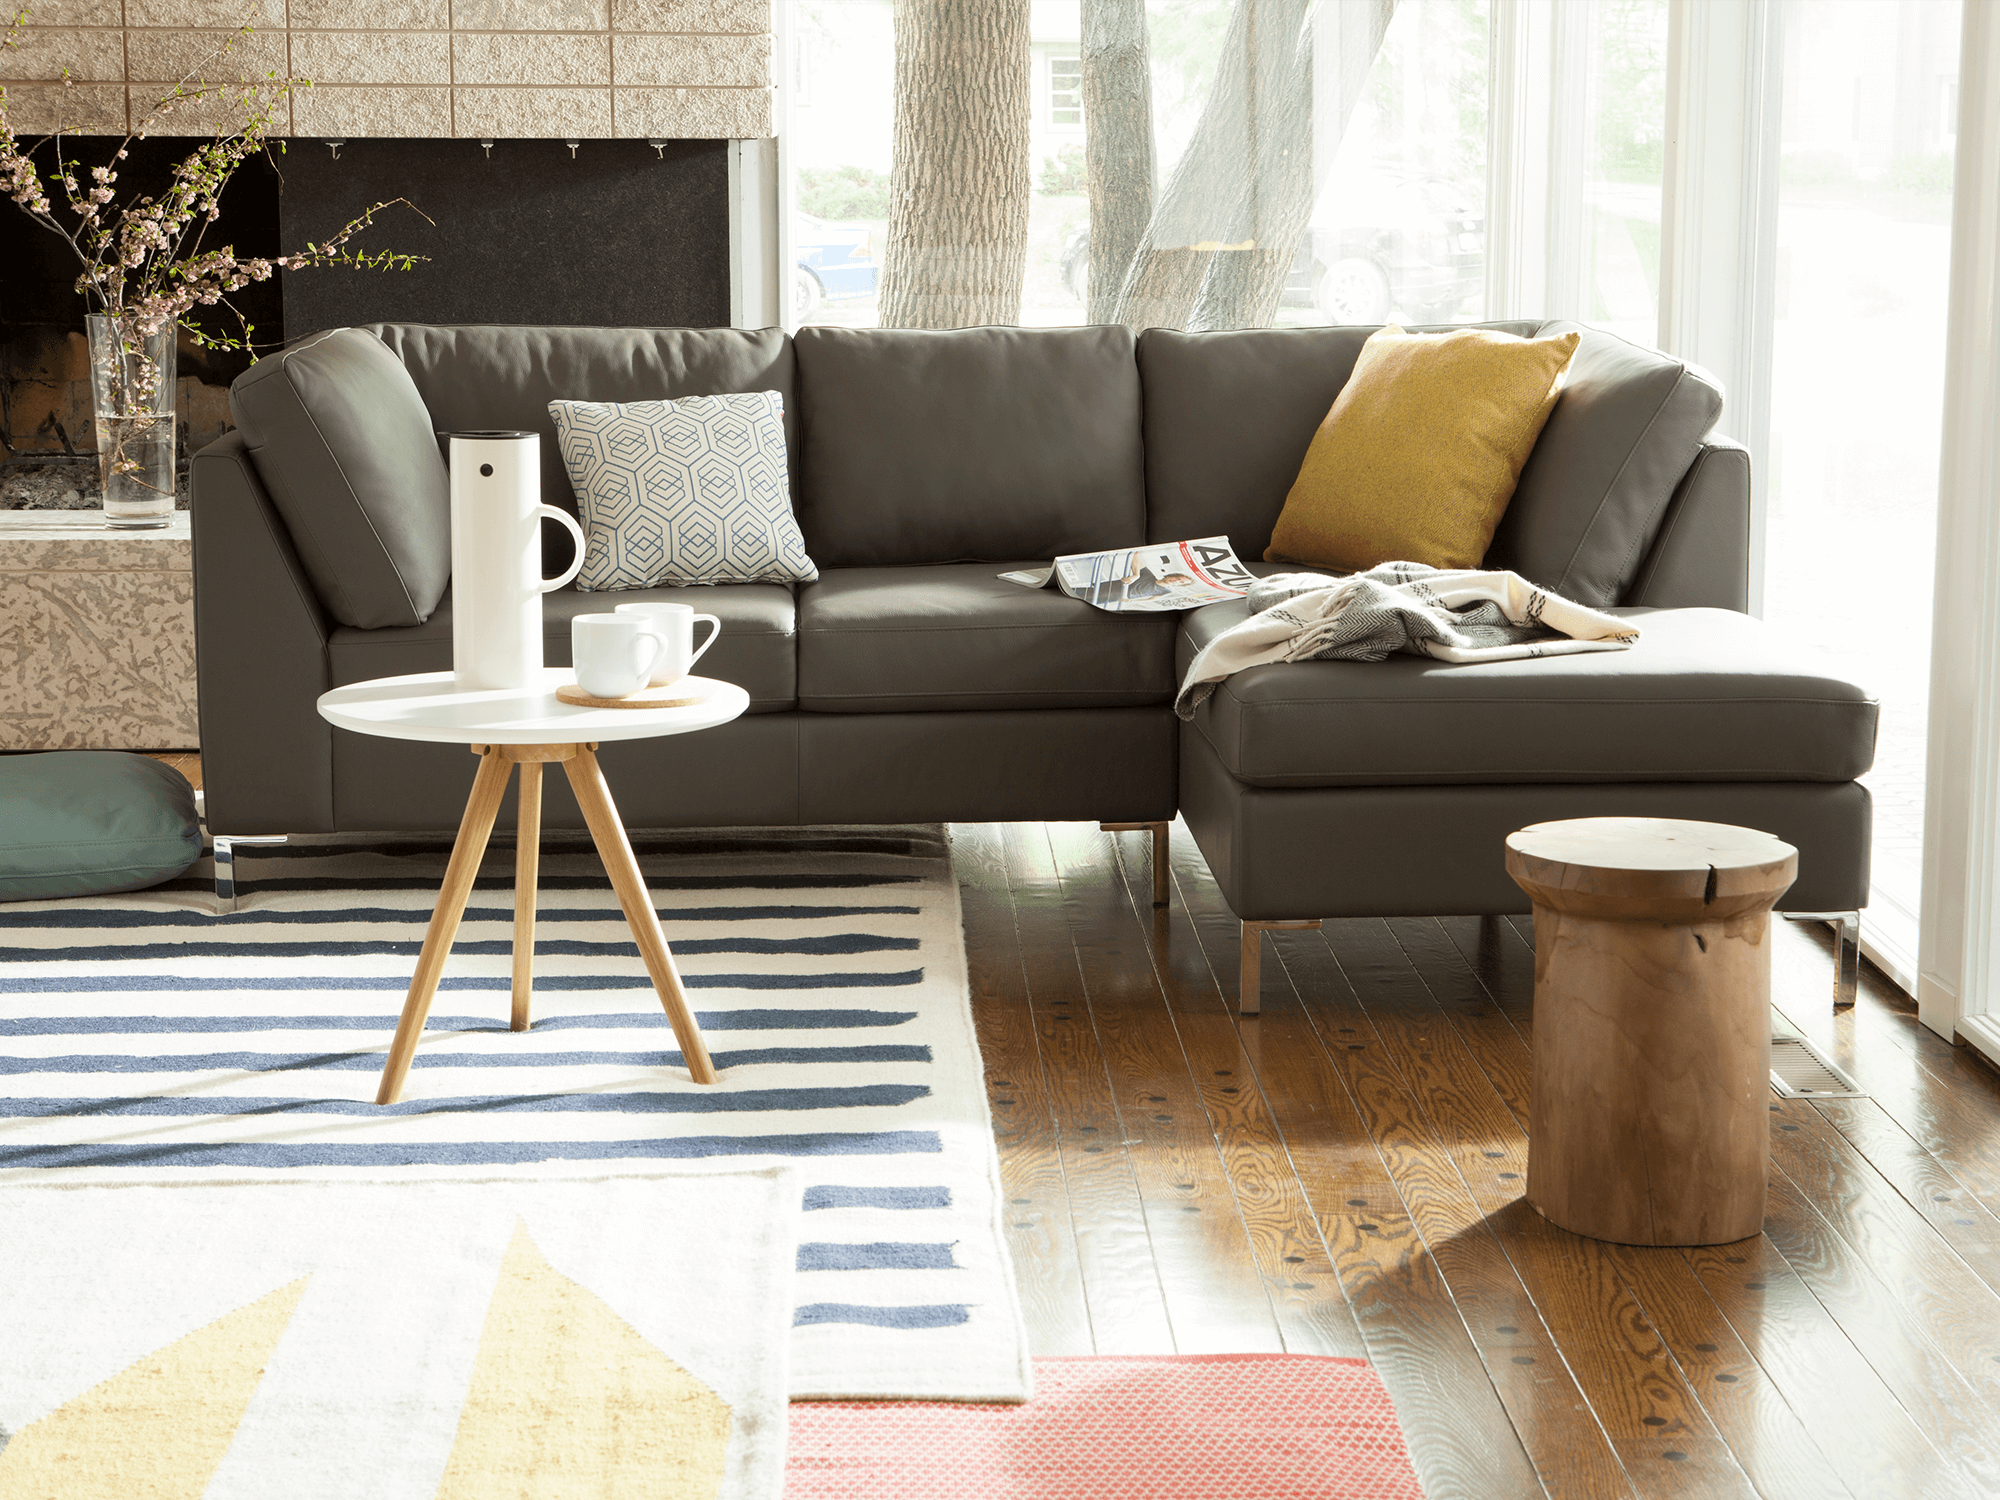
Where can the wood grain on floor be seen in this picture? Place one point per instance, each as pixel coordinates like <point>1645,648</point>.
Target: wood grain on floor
<point>187,762</point>
<point>1343,1175</point>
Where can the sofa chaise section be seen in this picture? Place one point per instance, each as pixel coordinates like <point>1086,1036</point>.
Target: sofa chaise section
<point>1388,788</point>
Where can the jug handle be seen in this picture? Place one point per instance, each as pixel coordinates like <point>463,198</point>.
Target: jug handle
<point>551,513</point>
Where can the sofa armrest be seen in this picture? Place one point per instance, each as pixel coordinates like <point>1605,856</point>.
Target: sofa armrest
<point>1702,553</point>
<point>260,657</point>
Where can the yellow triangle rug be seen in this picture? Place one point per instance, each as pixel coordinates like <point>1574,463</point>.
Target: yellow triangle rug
<point>569,1402</point>
<point>157,1429</point>
<point>561,1338</point>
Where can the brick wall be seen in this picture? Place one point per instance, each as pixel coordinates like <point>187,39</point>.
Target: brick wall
<point>588,69</point>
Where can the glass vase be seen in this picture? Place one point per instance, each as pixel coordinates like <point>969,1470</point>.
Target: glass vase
<point>132,390</point>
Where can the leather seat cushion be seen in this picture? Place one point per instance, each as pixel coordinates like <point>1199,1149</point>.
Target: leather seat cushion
<point>1705,695</point>
<point>756,650</point>
<point>953,636</point>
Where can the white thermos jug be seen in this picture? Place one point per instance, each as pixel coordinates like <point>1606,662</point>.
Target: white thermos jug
<point>496,558</point>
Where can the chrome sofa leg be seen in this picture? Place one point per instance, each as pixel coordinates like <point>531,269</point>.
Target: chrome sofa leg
<point>1160,871</point>
<point>1250,973</point>
<point>225,863</point>
<point>1846,927</point>
<point>1846,959</point>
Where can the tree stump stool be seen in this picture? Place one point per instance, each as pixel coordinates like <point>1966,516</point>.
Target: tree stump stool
<point>1650,1123</point>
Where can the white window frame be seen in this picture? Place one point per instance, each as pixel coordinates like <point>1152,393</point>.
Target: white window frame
<point>787,196</point>
<point>1958,979</point>
<point>1539,59</point>
<point>1717,305</point>
<point>1719,196</point>
<point>1719,219</point>
<point>1050,59</point>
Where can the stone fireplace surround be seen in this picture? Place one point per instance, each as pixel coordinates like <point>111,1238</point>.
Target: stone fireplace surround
<point>619,234</point>
<point>550,207</point>
<point>474,69</point>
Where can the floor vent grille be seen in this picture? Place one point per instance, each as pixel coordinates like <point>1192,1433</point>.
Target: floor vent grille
<point>1799,1070</point>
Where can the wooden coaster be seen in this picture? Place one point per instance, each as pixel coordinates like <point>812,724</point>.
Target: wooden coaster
<point>674,695</point>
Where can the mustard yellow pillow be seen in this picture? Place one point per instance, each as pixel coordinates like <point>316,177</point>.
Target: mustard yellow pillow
<point>1420,454</point>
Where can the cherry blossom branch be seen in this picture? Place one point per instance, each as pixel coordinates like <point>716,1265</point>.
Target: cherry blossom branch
<point>143,260</point>
<point>143,264</point>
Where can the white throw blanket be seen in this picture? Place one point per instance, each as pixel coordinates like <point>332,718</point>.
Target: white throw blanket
<point>1454,615</point>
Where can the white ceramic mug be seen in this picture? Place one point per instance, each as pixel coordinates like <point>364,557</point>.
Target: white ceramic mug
<point>675,625</point>
<point>614,654</point>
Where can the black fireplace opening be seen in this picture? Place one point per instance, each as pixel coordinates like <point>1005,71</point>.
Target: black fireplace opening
<point>611,234</point>
<point>593,233</point>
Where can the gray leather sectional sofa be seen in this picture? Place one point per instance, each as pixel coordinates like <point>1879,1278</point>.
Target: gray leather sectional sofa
<point>909,683</point>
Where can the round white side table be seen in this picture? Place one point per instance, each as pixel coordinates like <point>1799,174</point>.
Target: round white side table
<point>528,727</point>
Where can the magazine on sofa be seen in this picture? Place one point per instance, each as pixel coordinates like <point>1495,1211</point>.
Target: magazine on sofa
<point>1146,580</point>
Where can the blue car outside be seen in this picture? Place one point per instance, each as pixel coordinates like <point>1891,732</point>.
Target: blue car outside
<point>833,261</point>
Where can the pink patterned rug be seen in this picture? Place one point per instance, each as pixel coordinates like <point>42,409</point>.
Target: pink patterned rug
<point>1187,1427</point>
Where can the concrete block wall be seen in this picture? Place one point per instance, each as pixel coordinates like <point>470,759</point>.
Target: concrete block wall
<point>499,69</point>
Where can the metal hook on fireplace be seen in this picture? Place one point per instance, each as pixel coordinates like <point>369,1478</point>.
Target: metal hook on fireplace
<point>487,147</point>
<point>659,149</point>
<point>572,149</point>
<point>336,145</point>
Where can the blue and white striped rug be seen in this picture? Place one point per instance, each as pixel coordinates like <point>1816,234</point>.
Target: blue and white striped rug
<point>145,1033</point>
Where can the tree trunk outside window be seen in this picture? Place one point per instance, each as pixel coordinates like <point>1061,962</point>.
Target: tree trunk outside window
<point>1227,226</point>
<point>957,249</point>
<point>1118,145</point>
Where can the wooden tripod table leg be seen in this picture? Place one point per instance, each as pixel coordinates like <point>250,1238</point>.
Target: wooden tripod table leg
<point>594,797</point>
<point>527,867</point>
<point>488,787</point>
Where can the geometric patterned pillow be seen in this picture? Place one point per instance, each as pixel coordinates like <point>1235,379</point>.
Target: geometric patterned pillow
<point>681,492</point>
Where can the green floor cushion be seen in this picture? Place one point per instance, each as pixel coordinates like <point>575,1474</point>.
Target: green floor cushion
<point>88,822</point>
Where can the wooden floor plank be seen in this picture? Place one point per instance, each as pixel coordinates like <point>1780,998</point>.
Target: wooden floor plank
<point>1475,1012</point>
<point>187,762</point>
<point>1925,1183</point>
<point>1958,1313</point>
<point>1121,1284</point>
<point>1215,1294</point>
<point>1662,1434</point>
<point>1312,1310</point>
<point>1889,1336</point>
<point>1041,1233</point>
<point>1464,1438</point>
<point>1767,1437</point>
<point>1509,1330</point>
<point>1357,1163</point>
<point>1946,1100</point>
<point>1773,1448</point>
<point>1494,952</point>
<point>1853,1416</point>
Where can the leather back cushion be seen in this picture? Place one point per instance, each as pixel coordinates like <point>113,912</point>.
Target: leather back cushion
<point>1597,486</point>
<point>1229,417</point>
<point>343,444</point>
<point>967,445</point>
<point>496,375</point>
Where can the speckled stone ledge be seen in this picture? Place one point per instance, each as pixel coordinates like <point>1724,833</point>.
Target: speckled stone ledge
<point>475,69</point>
<point>96,634</point>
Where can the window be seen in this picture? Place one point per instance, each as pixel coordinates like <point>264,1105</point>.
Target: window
<point>1065,91</point>
<point>1864,269</point>
<point>1625,159</point>
<point>1399,224</point>
<point>802,72</point>
<point>1230,130</point>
